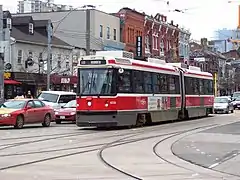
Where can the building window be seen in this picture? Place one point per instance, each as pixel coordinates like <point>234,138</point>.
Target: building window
<point>147,44</point>
<point>9,23</point>
<point>31,28</point>
<point>20,56</point>
<point>101,31</point>
<point>114,34</point>
<point>67,65</point>
<point>51,60</point>
<point>161,47</point>
<point>59,61</point>
<point>108,32</point>
<point>155,41</point>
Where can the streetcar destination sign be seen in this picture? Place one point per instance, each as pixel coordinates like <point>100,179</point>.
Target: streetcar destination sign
<point>92,62</point>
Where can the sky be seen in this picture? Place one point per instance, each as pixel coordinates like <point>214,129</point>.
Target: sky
<point>202,17</point>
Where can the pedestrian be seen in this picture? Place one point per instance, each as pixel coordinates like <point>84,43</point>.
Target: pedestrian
<point>29,95</point>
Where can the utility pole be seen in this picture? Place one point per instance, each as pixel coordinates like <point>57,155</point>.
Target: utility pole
<point>1,58</point>
<point>88,31</point>
<point>49,34</point>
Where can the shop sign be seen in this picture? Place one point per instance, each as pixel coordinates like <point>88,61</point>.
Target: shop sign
<point>7,75</point>
<point>65,80</point>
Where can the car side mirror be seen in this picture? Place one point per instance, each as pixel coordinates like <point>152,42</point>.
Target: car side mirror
<point>28,107</point>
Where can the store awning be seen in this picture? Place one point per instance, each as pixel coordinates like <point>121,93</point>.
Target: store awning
<point>12,82</point>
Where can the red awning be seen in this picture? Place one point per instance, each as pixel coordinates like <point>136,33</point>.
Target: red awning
<point>9,81</point>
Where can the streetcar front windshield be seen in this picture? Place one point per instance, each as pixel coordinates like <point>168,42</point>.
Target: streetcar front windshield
<point>96,81</point>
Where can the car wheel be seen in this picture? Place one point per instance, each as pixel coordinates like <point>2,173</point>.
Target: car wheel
<point>227,111</point>
<point>58,121</point>
<point>46,121</point>
<point>19,122</point>
<point>232,111</point>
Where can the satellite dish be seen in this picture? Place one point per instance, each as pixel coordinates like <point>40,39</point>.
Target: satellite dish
<point>120,71</point>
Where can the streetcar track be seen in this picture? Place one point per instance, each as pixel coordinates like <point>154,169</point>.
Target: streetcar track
<point>39,136</point>
<point>117,143</point>
<point>113,144</point>
<point>64,149</point>
<point>11,145</point>
<point>200,165</point>
<point>177,165</point>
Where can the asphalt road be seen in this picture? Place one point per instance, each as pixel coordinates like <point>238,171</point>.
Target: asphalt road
<point>66,152</point>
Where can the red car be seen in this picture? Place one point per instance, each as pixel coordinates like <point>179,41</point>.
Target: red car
<point>66,113</point>
<point>18,112</point>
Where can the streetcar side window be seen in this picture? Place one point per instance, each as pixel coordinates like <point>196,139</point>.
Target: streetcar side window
<point>163,83</point>
<point>201,86</point>
<point>189,85</point>
<point>148,82</point>
<point>156,83</point>
<point>124,84</point>
<point>210,87</point>
<point>138,81</point>
<point>174,84</point>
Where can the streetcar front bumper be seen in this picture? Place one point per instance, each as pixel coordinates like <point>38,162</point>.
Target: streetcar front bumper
<point>97,119</point>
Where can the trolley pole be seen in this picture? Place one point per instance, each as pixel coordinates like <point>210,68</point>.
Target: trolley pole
<point>88,32</point>
<point>49,33</point>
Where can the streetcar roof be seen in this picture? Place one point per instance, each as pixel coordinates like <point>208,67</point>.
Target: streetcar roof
<point>129,63</point>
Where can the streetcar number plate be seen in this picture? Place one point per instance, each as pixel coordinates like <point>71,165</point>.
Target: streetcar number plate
<point>62,117</point>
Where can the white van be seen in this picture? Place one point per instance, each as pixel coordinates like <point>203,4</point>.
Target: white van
<point>56,99</point>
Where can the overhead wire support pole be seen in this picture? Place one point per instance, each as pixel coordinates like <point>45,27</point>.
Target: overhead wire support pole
<point>88,31</point>
<point>1,57</point>
<point>49,38</point>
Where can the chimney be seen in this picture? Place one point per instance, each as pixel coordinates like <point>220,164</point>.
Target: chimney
<point>204,43</point>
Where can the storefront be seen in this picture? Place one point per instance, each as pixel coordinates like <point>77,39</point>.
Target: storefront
<point>63,83</point>
<point>11,87</point>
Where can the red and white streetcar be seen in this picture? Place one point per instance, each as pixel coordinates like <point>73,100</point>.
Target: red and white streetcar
<point>116,90</point>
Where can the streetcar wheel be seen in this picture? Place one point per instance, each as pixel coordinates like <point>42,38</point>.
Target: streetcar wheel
<point>19,122</point>
<point>141,120</point>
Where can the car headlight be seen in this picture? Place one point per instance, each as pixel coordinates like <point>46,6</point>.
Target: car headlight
<point>6,115</point>
<point>56,112</point>
<point>72,113</point>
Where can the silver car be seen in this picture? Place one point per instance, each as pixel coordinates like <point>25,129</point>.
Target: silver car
<point>223,104</point>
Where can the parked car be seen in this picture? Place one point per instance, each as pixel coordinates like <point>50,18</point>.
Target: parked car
<point>223,104</point>
<point>66,113</point>
<point>56,99</point>
<point>17,112</point>
<point>236,103</point>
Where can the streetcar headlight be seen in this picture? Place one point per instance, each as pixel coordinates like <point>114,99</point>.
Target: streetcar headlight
<point>106,105</point>
<point>89,103</point>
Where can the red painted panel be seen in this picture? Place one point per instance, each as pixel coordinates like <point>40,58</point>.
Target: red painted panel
<point>193,101</point>
<point>118,103</point>
<point>208,101</point>
<point>178,102</point>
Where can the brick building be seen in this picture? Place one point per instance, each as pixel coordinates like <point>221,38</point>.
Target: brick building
<point>161,38</point>
<point>132,25</point>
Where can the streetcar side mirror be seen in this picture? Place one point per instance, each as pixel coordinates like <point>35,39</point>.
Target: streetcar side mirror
<point>120,71</point>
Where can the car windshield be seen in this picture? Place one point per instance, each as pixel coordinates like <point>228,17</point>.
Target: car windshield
<point>221,100</point>
<point>95,81</point>
<point>71,104</point>
<point>236,94</point>
<point>13,104</point>
<point>48,97</point>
